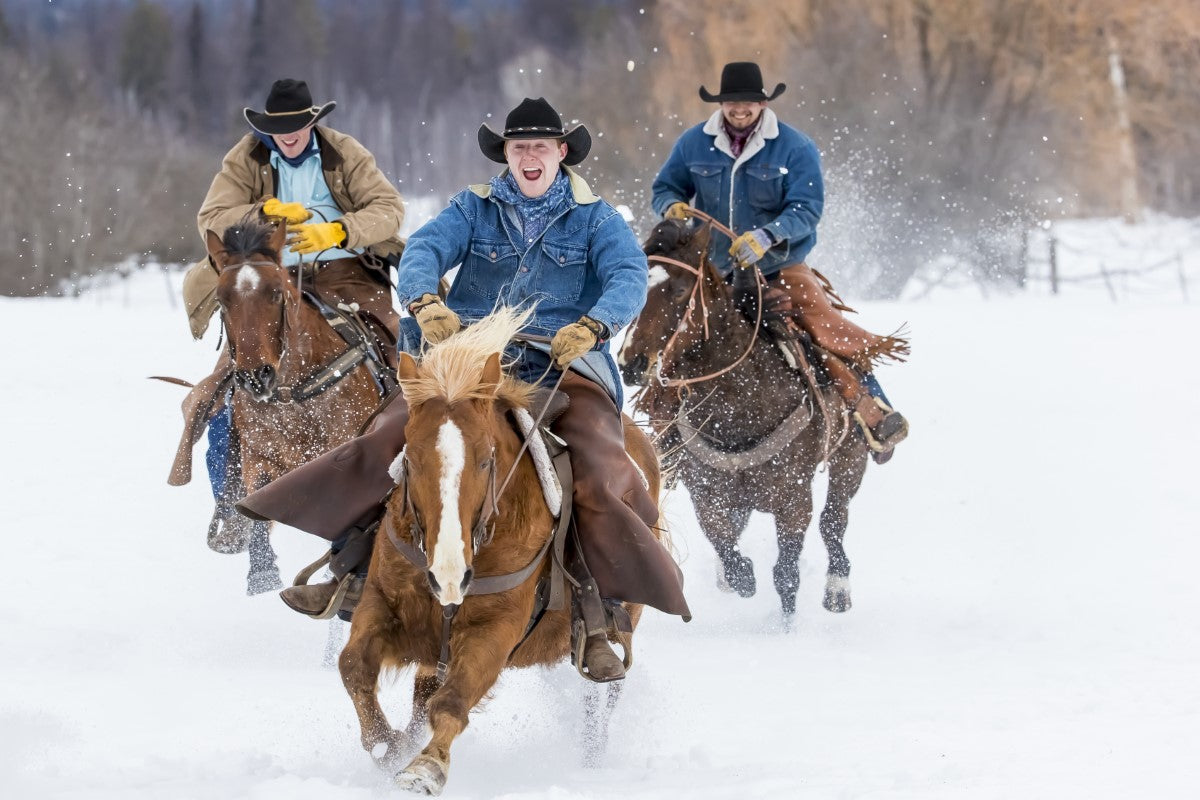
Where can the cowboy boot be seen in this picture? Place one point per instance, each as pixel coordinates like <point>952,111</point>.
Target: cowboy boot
<point>882,426</point>
<point>592,653</point>
<point>348,559</point>
<point>317,599</point>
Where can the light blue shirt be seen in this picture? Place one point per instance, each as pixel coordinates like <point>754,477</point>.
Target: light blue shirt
<point>306,185</point>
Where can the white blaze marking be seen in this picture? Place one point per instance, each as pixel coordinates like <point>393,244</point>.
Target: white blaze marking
<point>657,275</point>
<point>247,279</point>
<point>448,565</point>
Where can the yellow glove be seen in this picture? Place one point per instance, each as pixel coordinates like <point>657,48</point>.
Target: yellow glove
<point>677,210</point>
<point>437,322</point>
<point>293,213</point>
<point>750,247</point>
<point>574,340</point>
<point>316,237</point>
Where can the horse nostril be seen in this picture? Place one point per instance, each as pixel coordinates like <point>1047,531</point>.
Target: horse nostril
<point>466,581</point>
<point>266,376</point>
<point>434,586</point>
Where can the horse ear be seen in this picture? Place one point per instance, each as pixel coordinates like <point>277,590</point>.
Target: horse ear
<point>406,369</point>
<point>700,239</point>
<point>278,238</point>
<point>216,250</point>
<point>490,381</point>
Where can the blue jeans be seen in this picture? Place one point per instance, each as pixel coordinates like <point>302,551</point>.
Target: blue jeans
<point>874,389</point>
<point>217,457</point>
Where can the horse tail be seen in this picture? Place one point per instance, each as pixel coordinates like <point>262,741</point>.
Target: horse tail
<point>166,379</point>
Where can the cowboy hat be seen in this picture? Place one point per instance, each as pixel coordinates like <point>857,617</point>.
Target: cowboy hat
<point>740,81</point>
<point>289,108</point>
<point>535,119</point>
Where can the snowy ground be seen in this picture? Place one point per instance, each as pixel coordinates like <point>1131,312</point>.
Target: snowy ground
<point>1024,620</point>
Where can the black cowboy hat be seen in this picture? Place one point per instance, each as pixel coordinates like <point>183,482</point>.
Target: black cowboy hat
<point>289,108</point>
<point>741,80</point>
<point>535,119</point>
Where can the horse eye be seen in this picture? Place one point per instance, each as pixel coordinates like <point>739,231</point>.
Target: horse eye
<point>486,463</point>
<point>276,295</point>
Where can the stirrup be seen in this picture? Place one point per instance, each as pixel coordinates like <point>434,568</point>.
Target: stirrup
<point>889,442</point>
<point>579,640</point>
<point>335,602</point>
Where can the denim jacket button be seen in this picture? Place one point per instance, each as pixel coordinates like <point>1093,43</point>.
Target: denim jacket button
<point>562,259</point>
<point>493,254</point>
<point>524,269</point>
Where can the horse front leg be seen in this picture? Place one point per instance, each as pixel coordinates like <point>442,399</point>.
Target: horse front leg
<point>791,522</point>
<point>264,566</point>
<point>477,658</point>
<point>846,470</point>
<point>360,664</point>
<point>723,525</point>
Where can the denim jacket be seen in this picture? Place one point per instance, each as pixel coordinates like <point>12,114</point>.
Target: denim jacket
<point>587,261</point>
<point>775,184</point>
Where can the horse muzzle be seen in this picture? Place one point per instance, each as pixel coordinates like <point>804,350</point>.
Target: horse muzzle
<point>636,370</point>
<point>260,383</point>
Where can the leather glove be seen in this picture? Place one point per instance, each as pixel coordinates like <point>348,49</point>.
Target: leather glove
<point>316,237</point>
<point>677,210</point>
<point>575,339</point>
<point>293,213</point>
<point>437,321</point>
<point>750,247</point>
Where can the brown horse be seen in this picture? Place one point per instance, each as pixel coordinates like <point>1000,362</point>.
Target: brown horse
<point>460,447</point>
<point>300,387</point>
<point>745,432</point>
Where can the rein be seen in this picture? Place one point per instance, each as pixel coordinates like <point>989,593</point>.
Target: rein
<point>691,307</point>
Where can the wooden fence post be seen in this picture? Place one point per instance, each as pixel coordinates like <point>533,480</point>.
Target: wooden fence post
<point>1053,264</point>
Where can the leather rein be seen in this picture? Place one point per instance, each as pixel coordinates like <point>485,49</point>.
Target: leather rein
<point>697,289</point>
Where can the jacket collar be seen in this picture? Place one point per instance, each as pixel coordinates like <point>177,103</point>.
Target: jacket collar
<point>331,159</point>
<point>580,191</point>
<point>768,128</point>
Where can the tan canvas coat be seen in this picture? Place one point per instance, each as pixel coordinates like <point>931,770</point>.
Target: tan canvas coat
<point>372,207</point>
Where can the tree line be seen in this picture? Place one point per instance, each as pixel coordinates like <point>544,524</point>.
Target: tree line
<point>947,128</point>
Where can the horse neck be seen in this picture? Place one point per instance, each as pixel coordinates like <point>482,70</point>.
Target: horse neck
<point>309,341</point>
<point>523,521</point>
<point>773,387</point>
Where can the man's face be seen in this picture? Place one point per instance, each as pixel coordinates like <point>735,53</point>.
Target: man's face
<point>293,144</point>
<point>534,163</point>
<point>742,114</point>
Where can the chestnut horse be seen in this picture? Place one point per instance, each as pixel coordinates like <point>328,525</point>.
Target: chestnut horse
<point>744,431</point>
<point>460,472</point>
<point>300,388</point>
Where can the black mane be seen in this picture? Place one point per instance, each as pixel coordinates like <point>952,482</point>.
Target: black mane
<point>250,236</point>
<point>667,237</point>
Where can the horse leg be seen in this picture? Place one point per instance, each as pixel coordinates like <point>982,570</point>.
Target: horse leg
<point>723,526</point>
<point>425,683</point>
<point>360,665</point>
<point>846,471</point>
<point>791,522</point>
<point>597,715</point>
<point>264,571</point>
<point>478,658</point>
<point>334,639</point>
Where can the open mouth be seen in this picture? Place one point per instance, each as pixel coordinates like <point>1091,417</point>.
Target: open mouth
<point>291,142</point>
<point>531,173</point>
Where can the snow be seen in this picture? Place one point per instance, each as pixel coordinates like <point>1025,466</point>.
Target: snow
<point>1024,620</point>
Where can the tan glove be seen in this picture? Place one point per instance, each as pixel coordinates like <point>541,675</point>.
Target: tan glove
<point>293,213</point>
<point>750,247</point>
<point>437,322</point>
<point>574,340</point>
<point>314,238</point>
<point>677,210</point>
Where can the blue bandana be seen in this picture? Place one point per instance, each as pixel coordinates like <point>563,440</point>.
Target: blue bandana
<point>535,212</point>
<point>306,154</point>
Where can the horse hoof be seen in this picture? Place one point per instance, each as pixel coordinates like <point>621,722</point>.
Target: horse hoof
<point>837,594</point>
<point>264,581</point>
<point>229,533</point>
<point>741,578</point>
<point>425,775</point>
<point>396,750</point>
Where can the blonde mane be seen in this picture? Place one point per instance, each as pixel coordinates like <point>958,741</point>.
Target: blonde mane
<point>452,369</point>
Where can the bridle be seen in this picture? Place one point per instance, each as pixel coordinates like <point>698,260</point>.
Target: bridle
<point>699,273</point>
<point>347,326</point>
